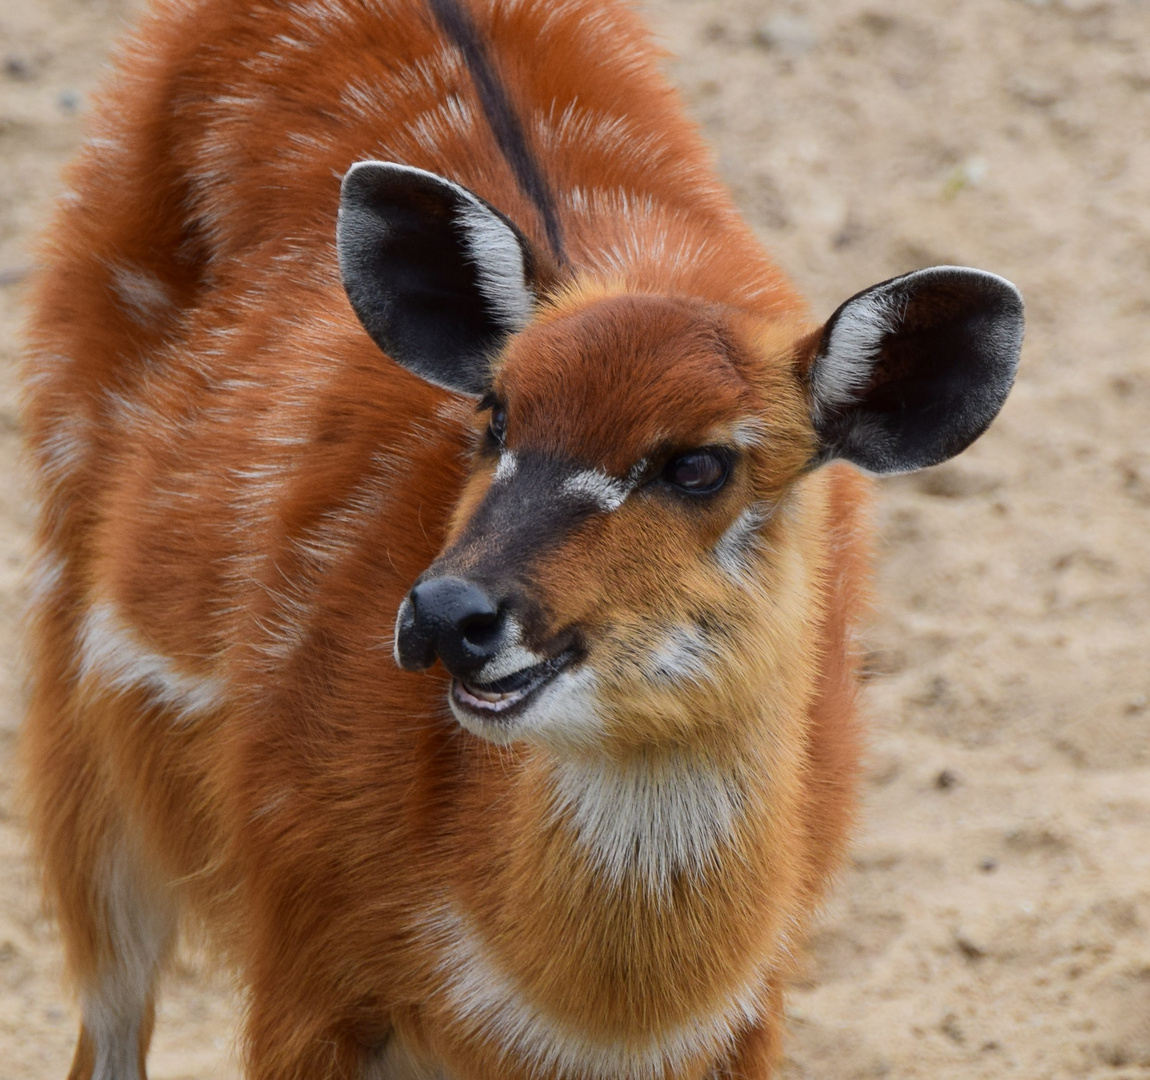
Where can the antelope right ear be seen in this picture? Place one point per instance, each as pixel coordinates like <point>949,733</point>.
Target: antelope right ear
<point>438,277</point>
<point>911,371</point>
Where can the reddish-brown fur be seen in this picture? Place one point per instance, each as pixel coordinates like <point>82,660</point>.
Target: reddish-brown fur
<point>231,471</point>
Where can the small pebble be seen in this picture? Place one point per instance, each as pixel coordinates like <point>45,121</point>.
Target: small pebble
<point>946,780</point>
<point>970,949</point>
<point>17,67</point>
<point>69,101</point>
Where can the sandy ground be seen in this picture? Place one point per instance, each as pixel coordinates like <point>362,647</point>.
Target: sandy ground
<point>995,918</point>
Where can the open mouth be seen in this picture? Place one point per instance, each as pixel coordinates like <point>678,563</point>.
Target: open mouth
<point>509,693</point>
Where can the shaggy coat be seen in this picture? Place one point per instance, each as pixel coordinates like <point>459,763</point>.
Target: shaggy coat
<point>490,702</point>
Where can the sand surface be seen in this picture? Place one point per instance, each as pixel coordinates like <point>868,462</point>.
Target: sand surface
<point>995,918</point>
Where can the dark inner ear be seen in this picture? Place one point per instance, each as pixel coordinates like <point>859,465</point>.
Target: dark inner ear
<point>421,259</point>
<point>928,359</point>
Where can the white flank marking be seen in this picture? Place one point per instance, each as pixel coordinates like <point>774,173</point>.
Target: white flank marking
<point>605,491</point>
<point>112,655</point>
<point>648,819</point>
<point>490,1005</point>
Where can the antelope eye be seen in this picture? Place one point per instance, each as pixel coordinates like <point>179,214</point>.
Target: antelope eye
<point>700,472</point>
<point>497,428</point>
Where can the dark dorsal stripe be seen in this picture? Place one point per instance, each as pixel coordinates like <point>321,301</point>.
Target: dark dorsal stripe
<point>457,24</point>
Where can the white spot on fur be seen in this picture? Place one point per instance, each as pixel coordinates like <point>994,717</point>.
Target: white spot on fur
<point>112,655</point>
<point>44,575</point>
<point>63,451</point>
<point>737,546</point>
<point>140,923</point>
<point>508,466</point>
<point>684,655</point>
<point>605,491</point>
<point>142,294</point>
<point>841,371</point>
<point>648,818</point>
<point>324,13</point>
<point>488,1003</point>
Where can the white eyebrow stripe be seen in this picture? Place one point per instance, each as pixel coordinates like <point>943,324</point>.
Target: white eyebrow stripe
<point>749,433</point>
<point>508,466</point>
<point>637,471</point>
<point>605,491</point>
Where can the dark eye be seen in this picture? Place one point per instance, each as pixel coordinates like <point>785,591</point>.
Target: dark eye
<point>699,472</point>
<point>497,428</point>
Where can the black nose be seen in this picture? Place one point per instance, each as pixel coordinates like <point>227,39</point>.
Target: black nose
<point>452,619</point>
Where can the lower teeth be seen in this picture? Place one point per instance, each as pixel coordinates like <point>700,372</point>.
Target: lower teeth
<point>486,695</point>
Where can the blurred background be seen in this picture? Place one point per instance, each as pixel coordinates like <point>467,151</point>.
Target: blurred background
<point>994,920</point>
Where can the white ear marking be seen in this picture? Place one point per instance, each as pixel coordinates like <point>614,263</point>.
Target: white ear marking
<point>491,245</point>
<point>952,377</point>
<point>842,369</point>
<point>498,261</point>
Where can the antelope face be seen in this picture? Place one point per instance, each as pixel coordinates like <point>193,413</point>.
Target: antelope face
<point>626,546</point>
<point>627,465</point>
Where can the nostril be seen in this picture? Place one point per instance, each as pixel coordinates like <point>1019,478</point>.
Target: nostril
<point>481,630</point>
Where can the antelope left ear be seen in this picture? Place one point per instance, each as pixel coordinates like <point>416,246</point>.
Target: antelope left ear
<point>911,371</point>
<point>438,277</point>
